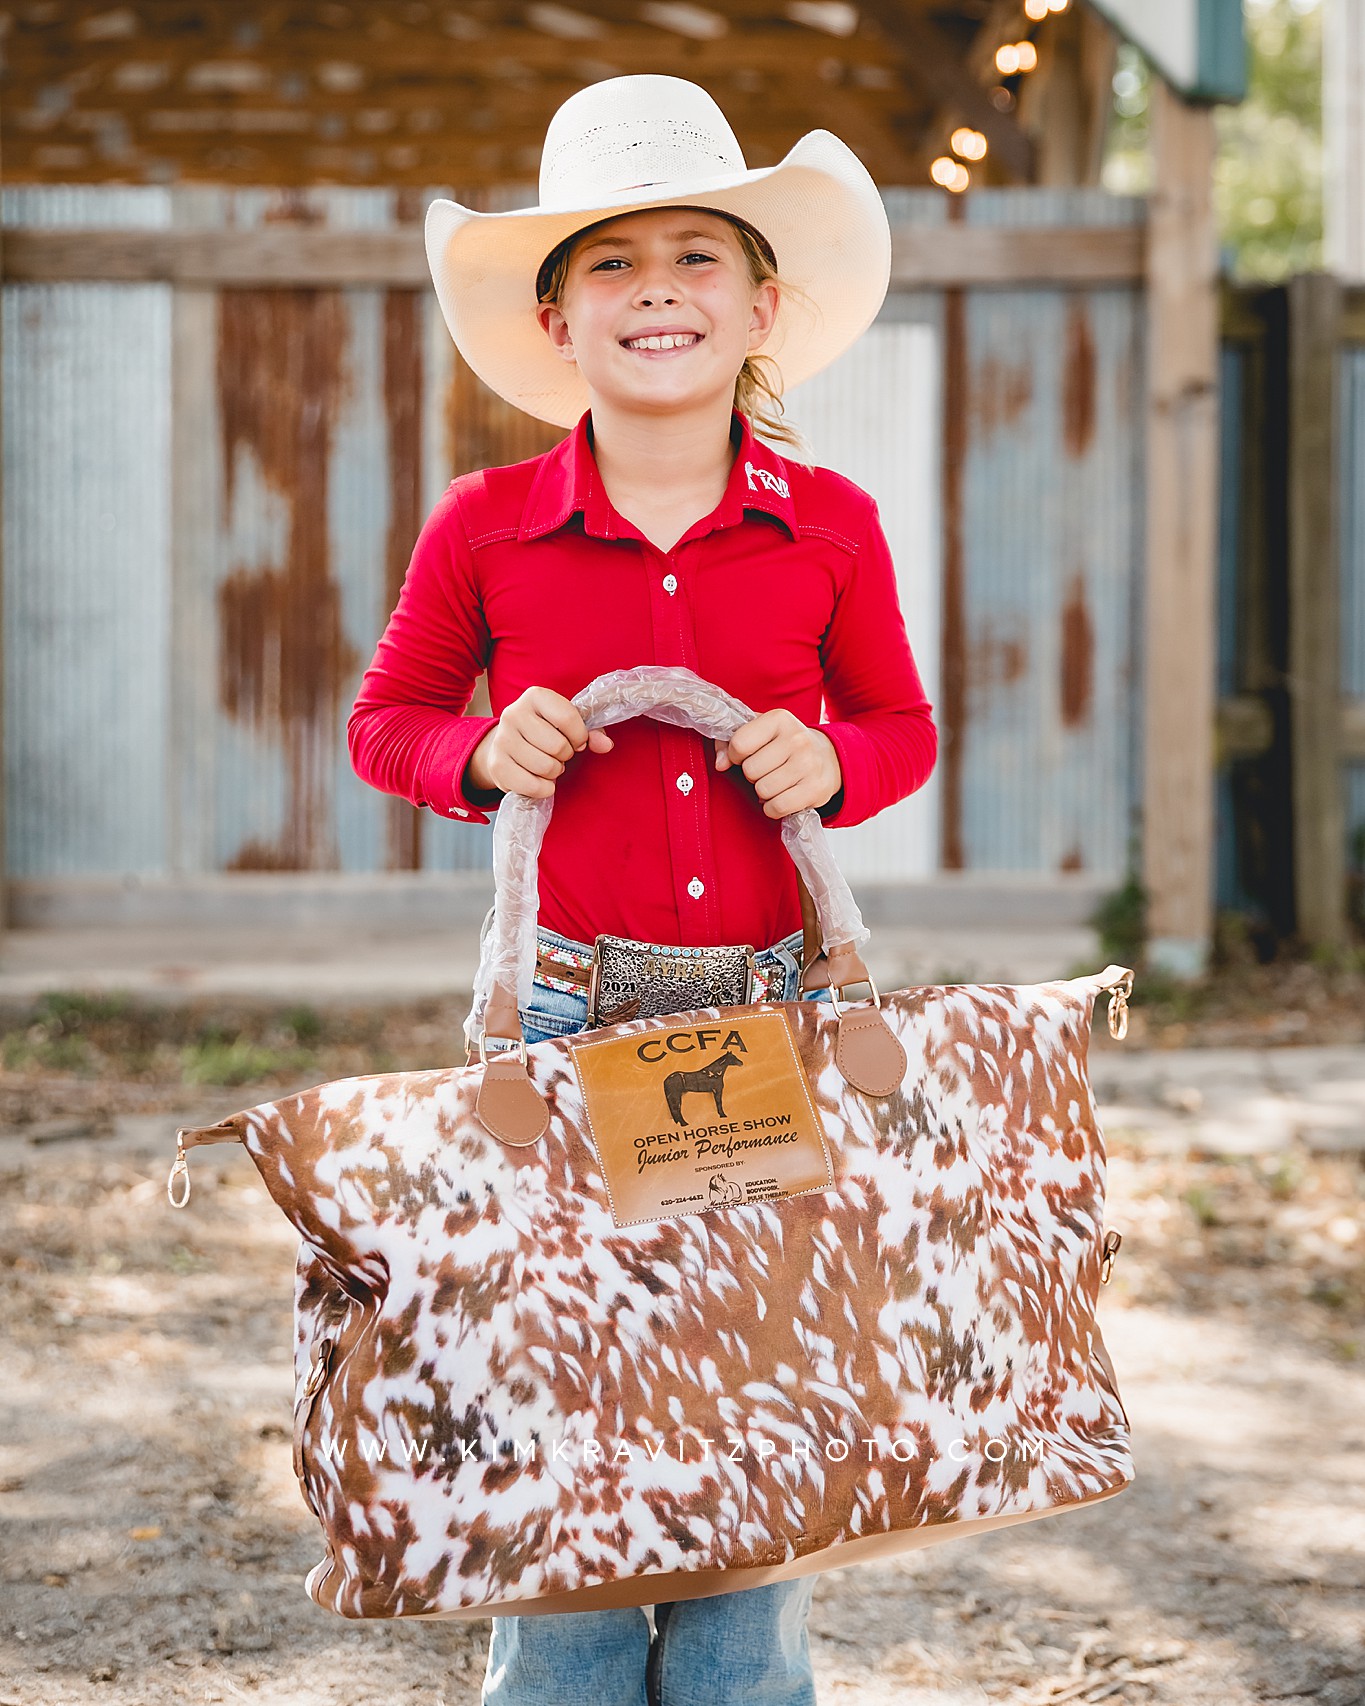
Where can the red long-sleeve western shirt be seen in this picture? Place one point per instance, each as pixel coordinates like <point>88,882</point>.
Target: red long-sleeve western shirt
<point>784,595</point>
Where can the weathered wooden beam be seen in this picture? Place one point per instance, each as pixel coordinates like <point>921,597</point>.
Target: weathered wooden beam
<point>990,255</point>
<point>1245,727</point>
<point>309,255</point>
<point>1353,729</point>
<point>337,61</point>
<point>1353,316</point>
<point>1315,612</point>
<point>273,254</point>
<point>1180,592</point>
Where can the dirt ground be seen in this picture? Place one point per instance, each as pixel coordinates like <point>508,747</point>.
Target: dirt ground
<point>154,1540</point>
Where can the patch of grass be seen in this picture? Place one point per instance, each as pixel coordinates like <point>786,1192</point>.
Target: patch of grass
<point>1121,921</point>
<point>304,1024</point>
<point>238,1060</point>
<point>34,1049</point>
<point>1199,1199</point>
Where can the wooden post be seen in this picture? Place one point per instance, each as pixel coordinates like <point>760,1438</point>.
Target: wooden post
<point>1180,626</point>
<point>1315,725</point>
<point>4,871</point>
<point>1343,126</point>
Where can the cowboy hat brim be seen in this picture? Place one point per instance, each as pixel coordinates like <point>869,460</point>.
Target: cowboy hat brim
<point>818,208</point>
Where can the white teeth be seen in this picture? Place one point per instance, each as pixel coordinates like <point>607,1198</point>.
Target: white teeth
<point>668,340</point>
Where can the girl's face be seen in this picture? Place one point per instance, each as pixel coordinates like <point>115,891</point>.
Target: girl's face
<point>665,276</point>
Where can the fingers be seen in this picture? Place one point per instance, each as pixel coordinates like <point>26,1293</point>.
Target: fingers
<point>766,741</point>
<point>786,788</point>
<point>554,724</point>
<point>538,734</point>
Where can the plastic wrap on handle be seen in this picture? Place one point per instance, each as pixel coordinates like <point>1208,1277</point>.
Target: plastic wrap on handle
<point>670,694</point>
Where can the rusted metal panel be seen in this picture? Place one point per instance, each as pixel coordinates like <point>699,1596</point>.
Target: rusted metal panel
<point>303,488</point>
<point>1043,437</point>
<point>314,429</point>
<point>86,556</point>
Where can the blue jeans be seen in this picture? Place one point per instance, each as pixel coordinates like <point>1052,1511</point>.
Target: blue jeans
<point>747,1648</point>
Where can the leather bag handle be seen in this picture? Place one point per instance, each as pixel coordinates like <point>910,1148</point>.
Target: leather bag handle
<point>670,694</point>
<point>508,1103</point>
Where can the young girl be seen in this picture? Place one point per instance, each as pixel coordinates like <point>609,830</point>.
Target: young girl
<point>632,305</point>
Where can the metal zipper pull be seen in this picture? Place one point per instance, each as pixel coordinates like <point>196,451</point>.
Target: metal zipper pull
<point>180,1169</point>
<point>1118,1006</point>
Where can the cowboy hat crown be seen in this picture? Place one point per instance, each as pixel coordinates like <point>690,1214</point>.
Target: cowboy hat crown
<point>628,143</point>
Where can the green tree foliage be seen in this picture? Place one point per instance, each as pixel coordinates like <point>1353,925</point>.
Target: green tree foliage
<point>1268,176</point>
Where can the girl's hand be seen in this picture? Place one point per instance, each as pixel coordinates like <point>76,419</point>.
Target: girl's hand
<point>535,737</point>
<point>790,764</point>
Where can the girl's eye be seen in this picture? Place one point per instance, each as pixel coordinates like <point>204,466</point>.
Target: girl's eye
<point>614,261</point>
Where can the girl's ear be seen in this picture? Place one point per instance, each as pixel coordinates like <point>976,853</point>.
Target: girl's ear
<point>556,328</point>
<point>764,312</point>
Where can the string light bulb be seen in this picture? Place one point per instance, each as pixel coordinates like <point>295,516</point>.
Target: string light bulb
<point>950,174</point>
<point>1036,10</point>
<point>1014,56</point>
<point>968,143</point>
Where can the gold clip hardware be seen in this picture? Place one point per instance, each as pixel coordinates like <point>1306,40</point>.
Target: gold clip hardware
<point>839,1007</point>
<point>1118,1006</point>
<point>1112,1240</point>
<point>180,1169</point>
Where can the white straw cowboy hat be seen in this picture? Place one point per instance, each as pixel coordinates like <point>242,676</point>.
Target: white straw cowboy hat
<point>655,141</point>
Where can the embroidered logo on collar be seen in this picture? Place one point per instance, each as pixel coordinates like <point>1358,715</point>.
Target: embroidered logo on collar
<point>765,478</point>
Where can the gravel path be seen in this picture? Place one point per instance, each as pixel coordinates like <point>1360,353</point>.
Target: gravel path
<point>154,1540</point>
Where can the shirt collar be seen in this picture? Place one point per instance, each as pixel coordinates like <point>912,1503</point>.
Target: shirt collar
<point>567,483</point>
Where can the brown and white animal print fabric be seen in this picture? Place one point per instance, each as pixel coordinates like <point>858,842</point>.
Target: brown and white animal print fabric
<point>508,1403</point>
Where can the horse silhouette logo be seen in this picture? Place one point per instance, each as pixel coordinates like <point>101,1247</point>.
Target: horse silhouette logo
<point>725,1190</point>
<point>706,1080</point>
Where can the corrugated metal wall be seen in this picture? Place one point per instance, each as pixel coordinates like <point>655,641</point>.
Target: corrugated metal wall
<point>87,552</point>
<point>1050,417</point>
<point>211,498</point>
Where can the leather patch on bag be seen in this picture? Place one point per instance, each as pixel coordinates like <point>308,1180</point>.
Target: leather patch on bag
<point>688,1119</point>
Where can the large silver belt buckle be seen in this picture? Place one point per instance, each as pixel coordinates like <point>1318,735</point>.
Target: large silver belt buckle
<point>641,980</point>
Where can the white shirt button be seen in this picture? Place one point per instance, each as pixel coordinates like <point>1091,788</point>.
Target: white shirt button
<point>670,584</point>
<point>684,783</point>
<point>696,887</point>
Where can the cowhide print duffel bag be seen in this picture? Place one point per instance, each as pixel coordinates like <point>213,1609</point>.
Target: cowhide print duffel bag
<point>693,1303</point>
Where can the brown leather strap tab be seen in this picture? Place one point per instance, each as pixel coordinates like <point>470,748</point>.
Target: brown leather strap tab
<point>812,949</point>
<point>501,1017</point>
<point>228,1131</point>
<point>843,964</point>
<point>819,969</point>
<point>509,1104</point>
<point>868,1052</point>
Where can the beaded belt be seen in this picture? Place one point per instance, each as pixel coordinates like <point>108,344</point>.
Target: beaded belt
<point>625,979</point>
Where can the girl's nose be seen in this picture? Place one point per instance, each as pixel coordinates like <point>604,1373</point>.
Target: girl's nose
<point>648,294</point>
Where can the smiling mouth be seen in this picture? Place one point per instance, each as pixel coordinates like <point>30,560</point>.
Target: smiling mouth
<point>664,341</point>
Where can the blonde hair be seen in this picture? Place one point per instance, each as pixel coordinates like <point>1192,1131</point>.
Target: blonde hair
<point>758,385</point>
